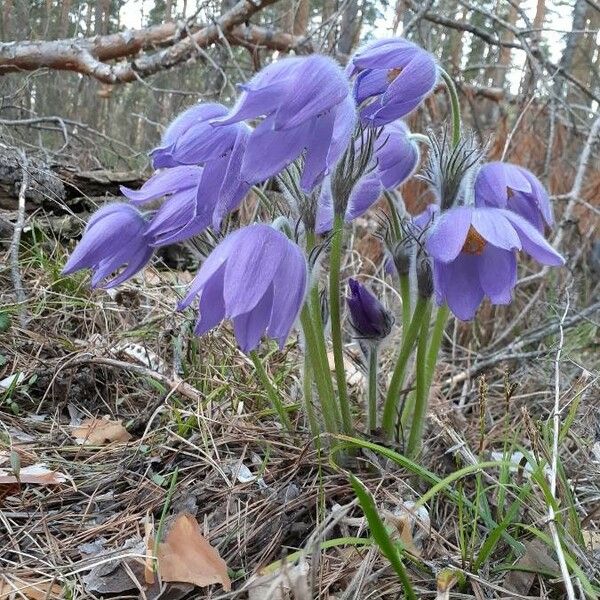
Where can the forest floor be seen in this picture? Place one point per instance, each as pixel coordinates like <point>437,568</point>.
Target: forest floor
<point>124,438</point>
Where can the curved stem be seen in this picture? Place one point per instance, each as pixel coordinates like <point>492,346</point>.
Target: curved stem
<point>372,395</point>
<point>435,343</point>
<point>272,393</point>
<point>307,389</point>
<point>405,295</point>
<point>336,323</point>
<point>454,105</point>
<point>391,402</point>
<point>326,400</point>
<point>422,392</point>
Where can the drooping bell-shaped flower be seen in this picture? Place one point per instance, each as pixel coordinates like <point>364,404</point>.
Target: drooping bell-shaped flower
<point>113,239</point>
<point>368,317</point>
<point>306,110</point>
<point>504,185</point>
<point>257,278</point>
<point>191,140</point>
<point>475,255</point>
<point>393,76</point>
<point>395,157</point>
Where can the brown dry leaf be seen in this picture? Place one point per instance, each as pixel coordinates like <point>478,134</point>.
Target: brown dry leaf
<point>33,590</point>
<point>99,432</point>
<point>535,558</point>
<point>186,556</point>
<point>38,474</point>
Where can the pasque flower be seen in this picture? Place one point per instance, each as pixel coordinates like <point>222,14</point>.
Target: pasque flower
<point>257,278</point>
<point>368,317</point>
<point>194,198</point>
<point>306,109</point>
<point>504,185</point>
<point>393,76</point>
<point>475,255</point>
<point>113,239</point>
<point>395,157</point>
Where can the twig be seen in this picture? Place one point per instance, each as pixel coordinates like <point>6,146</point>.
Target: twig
<point>554,463</point>
<point>16,242</point>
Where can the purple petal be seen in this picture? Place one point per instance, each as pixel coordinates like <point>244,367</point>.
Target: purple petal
<point>167,181</point>
<point>397,155</point>
<point>345,122</point>
<point>289,290</point>
<point>416,79</point>
<point>377,114</point>
<point>390,53</point>
<point>259,252</point>
<point>318,85</point>
<point>251,326</point>
<point>449,233</point>
<point>324,218</point>
<point>495,229</point>
<point>317,150</point>
<point>212,306</point>
<point>370,83</point>
<point>494,179</point>
<point>498,274</point>
<point>281,148</point>
<point>533,242</point>
<point>457,283</point>
<point>364,194</point>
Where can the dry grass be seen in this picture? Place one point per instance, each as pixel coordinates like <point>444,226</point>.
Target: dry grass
<point>194,406</point>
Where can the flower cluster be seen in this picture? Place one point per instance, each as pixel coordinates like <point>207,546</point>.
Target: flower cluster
<point>336,140</point>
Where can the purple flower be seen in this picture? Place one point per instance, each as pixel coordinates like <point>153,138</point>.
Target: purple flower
<point>504,185</point>
<point>112,239</point>
<point>369,318</point>
<point>393,76</point>
<point>395,158</point>
<point>306,109</point>
<point>196,197</point>
<point>474,252</point>
<point>257,278</point>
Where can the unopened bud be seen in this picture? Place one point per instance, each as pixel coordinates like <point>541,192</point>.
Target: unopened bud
<point>369,318</point>
<point>424,276</point>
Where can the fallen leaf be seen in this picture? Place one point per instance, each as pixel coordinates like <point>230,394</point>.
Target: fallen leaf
<point>535,559</point>
<point>38,474</point>
<point>16,587</point>
<point>287,582</point>
<point>99,432</point>
<point>186,556</point>
<point>412,525</point>
<point>446,580</point>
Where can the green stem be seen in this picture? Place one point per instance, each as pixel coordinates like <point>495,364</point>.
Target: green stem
<point>326,399</point>
<point>307,388</point>
<point>270,390</point>
<point>390,407</point>
<point>405,295</point>
<point>435,343</point>
<point>454,105</point>
<point>422,392</point>
<point>336,321</point>
<point>372,388</point>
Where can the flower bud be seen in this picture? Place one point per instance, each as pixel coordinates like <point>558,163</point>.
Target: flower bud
<point>369,318</point>
<point>424,276</point>
<point>402,255</point>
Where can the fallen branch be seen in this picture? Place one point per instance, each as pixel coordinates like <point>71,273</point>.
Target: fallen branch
<point>88,56</point>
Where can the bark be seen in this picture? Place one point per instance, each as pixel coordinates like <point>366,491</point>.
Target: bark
<point>63,25</point>
<point>301,17</point>
<point>348,27</point>
<point>88,55</point>
<point>499,75</point>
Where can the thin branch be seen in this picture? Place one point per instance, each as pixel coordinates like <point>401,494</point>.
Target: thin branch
<point>16,242</point>
<point>554,462</point>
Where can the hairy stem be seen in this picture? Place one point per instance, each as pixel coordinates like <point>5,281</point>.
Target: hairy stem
<point>390,407</point>
<point>372,395</point>
<point>422,392</point>
<point>336,322</point>
<point>454,106</point>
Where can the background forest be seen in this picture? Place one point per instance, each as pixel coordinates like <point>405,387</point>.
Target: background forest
<point>117,424</point>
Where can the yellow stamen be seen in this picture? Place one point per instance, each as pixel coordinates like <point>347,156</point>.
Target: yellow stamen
<point>474,244</point>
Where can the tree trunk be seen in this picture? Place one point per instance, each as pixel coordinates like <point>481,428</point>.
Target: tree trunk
<point>348,27</point>
<point>499,74</point>
<point>301,17</point>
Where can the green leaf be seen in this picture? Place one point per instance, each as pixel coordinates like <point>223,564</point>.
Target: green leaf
<point>381,536</point>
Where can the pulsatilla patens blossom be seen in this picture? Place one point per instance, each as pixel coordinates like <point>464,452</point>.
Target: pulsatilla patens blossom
<point>504,185</point>
<point>393,76</point>
<point>306,110</point>
<point>113,239</point>
<point>395,157</point>
<point>475,255</point>
<point>368,317</point>
<point>257,278</point>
